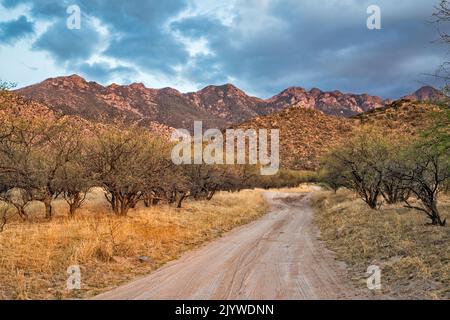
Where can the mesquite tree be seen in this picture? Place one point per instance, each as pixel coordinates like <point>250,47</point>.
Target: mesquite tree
<point>128,163</point>
<point>426,171</point>
<point>360,165</point>
<point>25,162</point>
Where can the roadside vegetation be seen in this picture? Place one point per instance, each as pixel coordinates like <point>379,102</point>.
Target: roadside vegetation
<point>413,257</point>
<point>388,204</point>
<point>43,159</point>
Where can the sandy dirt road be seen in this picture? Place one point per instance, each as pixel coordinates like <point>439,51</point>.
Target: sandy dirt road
<point>276,257</point>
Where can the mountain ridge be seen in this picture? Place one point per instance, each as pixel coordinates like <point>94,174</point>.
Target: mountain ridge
<point>217,106</point>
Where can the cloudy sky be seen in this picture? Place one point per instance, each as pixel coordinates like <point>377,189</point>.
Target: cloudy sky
<point>261,46</point>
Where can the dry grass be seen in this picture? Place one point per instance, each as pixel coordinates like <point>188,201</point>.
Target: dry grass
<point>35,255</point>
<point>304,187</point>
<point>414,257</point>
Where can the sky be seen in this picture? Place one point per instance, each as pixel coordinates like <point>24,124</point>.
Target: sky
<point>261,46</point>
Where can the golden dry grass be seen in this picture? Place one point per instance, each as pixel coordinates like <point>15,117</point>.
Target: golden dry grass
<point>302,188</point>
<point>34,256</point>
<point>414,257</point>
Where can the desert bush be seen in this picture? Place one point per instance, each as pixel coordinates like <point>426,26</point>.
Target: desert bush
<point>19,199</point>
<point>394,189</point>
<point>41,159</point>
<point>73,176</point>
<point>331,178</point>
<point>426,171</point>
<point>360,165</point>
<point>425,167</point>
<point>283,179</point>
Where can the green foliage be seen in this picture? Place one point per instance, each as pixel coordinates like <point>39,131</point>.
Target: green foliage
<point>439,134</point>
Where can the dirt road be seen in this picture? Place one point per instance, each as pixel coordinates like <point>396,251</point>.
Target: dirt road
<point>276,257</point>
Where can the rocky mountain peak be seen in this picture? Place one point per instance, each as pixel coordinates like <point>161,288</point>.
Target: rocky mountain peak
<point>137,86</point>
<point>426,93</point>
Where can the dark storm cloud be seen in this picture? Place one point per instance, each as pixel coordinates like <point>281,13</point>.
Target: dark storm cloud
<point>329,48</point>
<point>69,45</point>
<point>14,30</point>
<point>40,8</point>
<point>264,47</point>
<point>104,72</point>
<point>136,32</point>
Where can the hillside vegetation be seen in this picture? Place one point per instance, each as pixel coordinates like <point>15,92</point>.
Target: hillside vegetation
<point>306,135</point>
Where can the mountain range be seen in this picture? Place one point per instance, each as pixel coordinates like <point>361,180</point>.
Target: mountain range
<point>310,122</point>
<point>217,106</point>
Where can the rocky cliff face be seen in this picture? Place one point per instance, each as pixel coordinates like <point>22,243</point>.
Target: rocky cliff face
<point>331,103</point>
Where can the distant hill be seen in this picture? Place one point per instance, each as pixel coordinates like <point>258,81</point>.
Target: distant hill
<point>306,135</point>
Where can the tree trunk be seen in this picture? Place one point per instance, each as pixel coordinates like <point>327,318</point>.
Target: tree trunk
<point>151,201</point>
<point>435,216</point>
<point>75,204</point>
<point>21,212</point>
<point>113,199</point>
<point>372,204</point>
<point>73,207</point>
<point>48,208</point>
<point>371,200</point>
<point>211,195</point>
<point>124,208</point>
<point>3,221</point>
<point>180,200</point>
<point>113,202</point>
